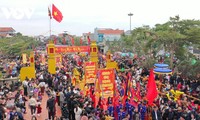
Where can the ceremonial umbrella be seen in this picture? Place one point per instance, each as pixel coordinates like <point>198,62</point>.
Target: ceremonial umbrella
<point>131,55</point>
<point>158,65</point>
<point>123,54</point>
<point>162,71</point>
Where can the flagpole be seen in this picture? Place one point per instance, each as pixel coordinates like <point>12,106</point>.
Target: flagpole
<point>50,15</point>
<point>49,27</point>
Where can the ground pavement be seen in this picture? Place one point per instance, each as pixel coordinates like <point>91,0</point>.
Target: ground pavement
<point>44,114</point>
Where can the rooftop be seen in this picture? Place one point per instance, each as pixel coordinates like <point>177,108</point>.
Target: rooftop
<point>111,31</point>
<point>6,29</point>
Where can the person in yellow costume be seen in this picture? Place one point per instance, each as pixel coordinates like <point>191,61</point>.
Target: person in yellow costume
<point>76,74</point>
<point>86,90</point>
<point>108,117</point>
<point>175,94</point>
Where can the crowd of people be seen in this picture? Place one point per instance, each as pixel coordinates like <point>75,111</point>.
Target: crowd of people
<point>178,97</point>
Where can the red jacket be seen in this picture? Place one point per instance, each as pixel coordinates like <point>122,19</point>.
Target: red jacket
<point>39,109</point>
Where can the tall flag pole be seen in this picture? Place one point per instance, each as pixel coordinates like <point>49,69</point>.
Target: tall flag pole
<point>54,12</point>
<point>50,17</point>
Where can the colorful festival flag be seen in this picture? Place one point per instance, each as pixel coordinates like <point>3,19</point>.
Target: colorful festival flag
<point>57,15</point>
<point>151,88</point>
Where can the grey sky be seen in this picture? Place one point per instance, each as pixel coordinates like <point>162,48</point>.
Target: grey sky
<point>81,16</point>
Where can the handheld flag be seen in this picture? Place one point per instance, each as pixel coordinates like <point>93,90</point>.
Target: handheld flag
<point>151,89</point>
<point>57,15</point>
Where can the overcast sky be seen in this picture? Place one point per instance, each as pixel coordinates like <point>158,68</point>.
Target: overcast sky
<point>82,16</point>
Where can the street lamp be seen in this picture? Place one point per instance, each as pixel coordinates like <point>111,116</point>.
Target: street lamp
<point>130,14</point>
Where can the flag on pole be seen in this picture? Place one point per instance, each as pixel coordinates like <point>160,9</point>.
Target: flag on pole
<point>151,88</point>
<point>72,40</point>
<point>138,91</point>
<point>88,38</point>
<point>81,41</point>
<point>97,93</point>
<point>64,41</point>
<point>49,13</point>
<point>55,40</point>
<point>57,15</point>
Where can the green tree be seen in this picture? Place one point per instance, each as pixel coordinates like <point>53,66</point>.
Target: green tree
<point>174,37</point>
<point>17,45</point>
<point>175,34</point>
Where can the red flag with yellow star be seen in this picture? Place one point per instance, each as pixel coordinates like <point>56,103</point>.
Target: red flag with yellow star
<point>57,15</point>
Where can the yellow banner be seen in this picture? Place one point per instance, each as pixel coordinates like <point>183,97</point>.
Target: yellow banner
<point>52,65</point>
<point>24,58</point>
<point>28,72</point>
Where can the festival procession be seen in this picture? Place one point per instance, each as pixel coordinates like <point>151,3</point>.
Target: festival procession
<point>150,73</point>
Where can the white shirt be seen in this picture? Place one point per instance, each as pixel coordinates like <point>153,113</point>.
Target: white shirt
<point>1,93</point>
<point>32,102</point>
<point>156,115</point>
<point>78,113</point>
<point>41,77</point>
<point>41,84</point>
<point>25,83</point>
<point>65,77</point>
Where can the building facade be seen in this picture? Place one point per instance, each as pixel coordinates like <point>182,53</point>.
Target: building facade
<point>101,35</point>
<point>7,32</point>
<point>107,34</point>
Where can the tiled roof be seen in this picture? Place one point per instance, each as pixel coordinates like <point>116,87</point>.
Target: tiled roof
<point>111,31</point>
<point>6,29</point>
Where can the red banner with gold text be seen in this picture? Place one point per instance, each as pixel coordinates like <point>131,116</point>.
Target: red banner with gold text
<point>71,49</point>
<point>106,81</point>
<point>90,72</point>
<point>58,60</point>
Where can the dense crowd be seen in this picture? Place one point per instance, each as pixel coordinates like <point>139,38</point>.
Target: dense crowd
<point>174,100</point>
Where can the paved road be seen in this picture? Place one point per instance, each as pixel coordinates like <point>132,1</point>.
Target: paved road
<point>44,114</point>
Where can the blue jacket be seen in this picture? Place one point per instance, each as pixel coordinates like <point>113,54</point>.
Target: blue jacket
<point>121,115</point>
<point>111,111</point>
<point>119,107</point>
<point>143,112</point>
